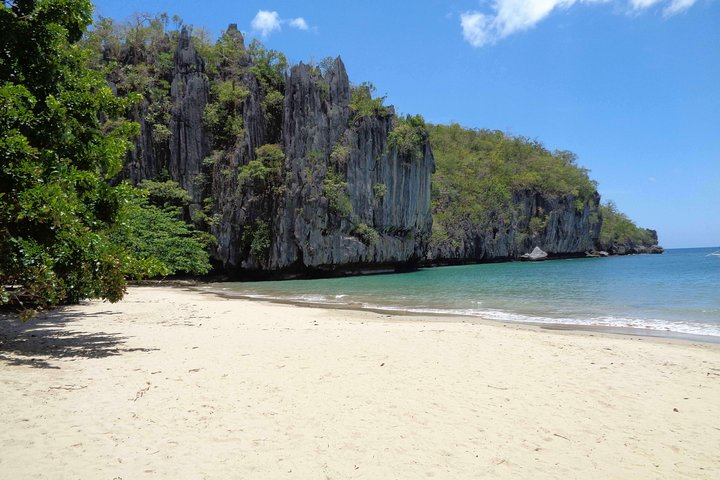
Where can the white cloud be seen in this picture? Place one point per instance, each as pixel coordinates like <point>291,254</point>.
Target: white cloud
<point>511,16</point>
<point>299,23</point>
<point>677,6</point>
<point>266,22</point>
<point>475,28</point>
<point>517,15</point>
<point>643,4</point>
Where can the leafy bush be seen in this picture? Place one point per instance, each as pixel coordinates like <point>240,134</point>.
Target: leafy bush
<point>379,190</point>
<point>338,199</point>
<point>156,236</point>
<point>223,114</point>
<point>271,155</point>
<point>339,154</point>
<point>366,234</point>
<point>537,225</point>
<point>268,162</point>
<point>254,172</point>
<point>229,93</point>
<point>364,105</point>
<point>257,237</point>
<point>165,194</point>
<point>408,136</point>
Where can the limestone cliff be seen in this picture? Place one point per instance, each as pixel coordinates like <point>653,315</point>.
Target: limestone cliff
<point>559,225</point>
<point>340,197</point>
<point>391,227</point>
<point>647,244</point>
<point>295,177</point>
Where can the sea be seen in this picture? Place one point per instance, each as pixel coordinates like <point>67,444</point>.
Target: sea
<point>675,294</point>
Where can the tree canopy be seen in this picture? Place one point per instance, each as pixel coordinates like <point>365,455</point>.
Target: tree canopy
<point>63,136</point>
<point>478,171</point>
<point>57,154</point>
<point>618,229</point>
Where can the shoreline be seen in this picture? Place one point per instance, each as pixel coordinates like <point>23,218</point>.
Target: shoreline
<point>649,333</point>
<point>178,383</point>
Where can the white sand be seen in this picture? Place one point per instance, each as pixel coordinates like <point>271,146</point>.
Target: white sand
<point>177,384</point>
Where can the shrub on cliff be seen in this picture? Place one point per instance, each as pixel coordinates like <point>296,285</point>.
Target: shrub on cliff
<point>408,136</point>
<point>335,191</point>
<point>362,103</point>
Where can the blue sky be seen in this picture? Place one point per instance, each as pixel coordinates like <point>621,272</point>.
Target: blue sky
<point>632,86</point>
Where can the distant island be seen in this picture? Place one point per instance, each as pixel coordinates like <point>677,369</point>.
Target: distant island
<point>220,157</point>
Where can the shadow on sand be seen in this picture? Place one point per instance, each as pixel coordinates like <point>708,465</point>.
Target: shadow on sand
<point>51,336</point>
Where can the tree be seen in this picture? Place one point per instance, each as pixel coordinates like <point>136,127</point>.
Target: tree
<point>61,137</point>
<point>151,230</point>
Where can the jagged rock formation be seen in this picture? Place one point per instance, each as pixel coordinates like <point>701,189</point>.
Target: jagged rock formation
<point>564,230</point>
<point>341,197</point>
<point>302,181</point>
<point>317,119</point>
<point>189,144</point>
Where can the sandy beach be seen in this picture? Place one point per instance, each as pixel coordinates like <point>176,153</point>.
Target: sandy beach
<point>173,383</point>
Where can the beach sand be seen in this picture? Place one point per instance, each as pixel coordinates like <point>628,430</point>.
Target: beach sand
<point>173,383</point>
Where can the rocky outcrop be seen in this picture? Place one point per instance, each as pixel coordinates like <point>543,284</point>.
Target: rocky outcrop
<point>562,226</point>
<point>536,255</point>
<point>634,248</point>
<point>150,154</point>
<point>343,197</point>
<point>331,156</point>
<point>189,143</point>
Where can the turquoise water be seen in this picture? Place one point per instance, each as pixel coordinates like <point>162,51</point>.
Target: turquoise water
<point>678,291</point>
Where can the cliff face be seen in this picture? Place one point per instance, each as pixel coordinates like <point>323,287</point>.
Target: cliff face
<point>303,181</point>
<point>389,217</point>
<point>559,225</point>
<point>189,144</point>
<point>340,195</point>
<point>630,247</point>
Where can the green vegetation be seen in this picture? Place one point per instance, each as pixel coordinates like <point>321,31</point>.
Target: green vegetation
<point>334,189</point>
<point>267,164</point>
<point>617,228</point>
<point>477,172</point>
<point>137,56</point>
<point>340,154</point>
<point>269,68</point>
<point>55,156</point>
<point>151,230</point>
<point>379,190</point>
<point>65,232</point>
<point>257,238</point>
<point>366,234</point>
<point>363,104</point>
<point>223,114</point>
<point>408,136</point>
<point>167,194</point>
